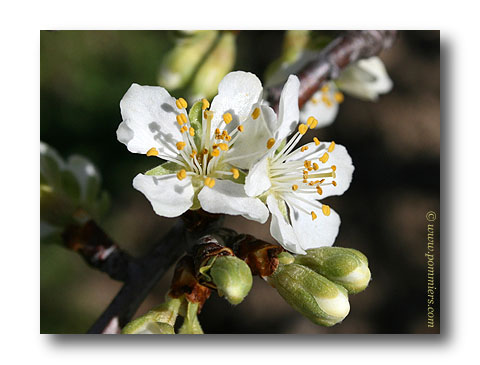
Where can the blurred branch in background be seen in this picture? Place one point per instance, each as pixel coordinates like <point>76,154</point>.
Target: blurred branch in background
<point>337,55</point>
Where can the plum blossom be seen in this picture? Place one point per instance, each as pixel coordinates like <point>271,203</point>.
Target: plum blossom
<point>205,149</point>
<point>291,181</point>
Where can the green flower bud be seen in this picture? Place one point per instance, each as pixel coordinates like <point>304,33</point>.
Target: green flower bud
<point>344,266</point>
<point>232,278</point>
<point>182,61</point>
<point>146,326</point>
<point>218,63</point>
<point>285,258</point>
<point>160,320</point>
<point>317,298</point>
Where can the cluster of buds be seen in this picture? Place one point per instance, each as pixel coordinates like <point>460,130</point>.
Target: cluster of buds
<point>198,62</point>
<point>317,284</point>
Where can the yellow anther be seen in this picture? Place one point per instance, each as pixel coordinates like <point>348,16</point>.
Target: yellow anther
<point>334,183</point>
<point>191,131</point>
<point>294,187</point>
<point>310,121</point>
<point>227,118</point>
<point>324,158</point>
<point>307,164</point>
<point>314,100</point>
<point>338,96</point>
<point>326,210</point>
<point>181,145</point>
<point>183,129</point>
<point>182,174</point>
<point>228,138</point>
<point>331,147</point>
<point>326,100</point>
<point>215,152</point>
<point>223,146</point>
<point>319,190</point>
<point>240,128</point>
<point>217,131</point>
<point>205,104</point>
<point>204,151</point>
<point>321,181</point>
<point>314,216</point>
<point>304,148</point>
<point>210,182</point>
<point>317,142</point>
<point>334,168</point>
<point>302,128</point>
<point>181,119</point>
<point>235,173</point>
<point>208,114</point>
<point>152,152</point>
<point>181,103</point>
<point>325,89</point>
<point>314,124</point>
<point>315,166</point>
<point>270,143</point>
<point>256,113</point>
<point>193,154</point>
<point>305,181</point>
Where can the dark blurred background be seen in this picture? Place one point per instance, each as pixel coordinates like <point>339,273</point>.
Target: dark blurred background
<point>394,143</point>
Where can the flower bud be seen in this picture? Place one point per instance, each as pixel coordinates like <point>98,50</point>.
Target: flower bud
<point>232,278</point>
<point>158,321</point>
<point>181,62</point>
<point>217,64</point>
<point>317,298</point>
<point>69,190</point>
<point>344,266</point>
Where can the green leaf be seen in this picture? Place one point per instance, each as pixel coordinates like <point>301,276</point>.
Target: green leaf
<point>195,116</point>
<point>163,169</point>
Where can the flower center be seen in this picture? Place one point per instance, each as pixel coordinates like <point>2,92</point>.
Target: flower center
<point>205,158</point>
<point>304,177</point>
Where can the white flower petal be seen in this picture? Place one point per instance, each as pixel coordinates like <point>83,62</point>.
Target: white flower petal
<point>365,79</point>
<point>169,196</point>
<point>281,230</point>
<point>237,93</point>
<point>258,180</point>
<point>313,233</point>
<point>85,172</point>
<point>288,112</point>
<point>252,142</point>
<point>338,157</point>
<point>228,197</point>
<point>149,120</point>
<point>325,114</point>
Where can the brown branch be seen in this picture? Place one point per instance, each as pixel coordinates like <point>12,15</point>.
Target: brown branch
<point>341,52</point>
<point>142,274</point>
<point>97,249</point>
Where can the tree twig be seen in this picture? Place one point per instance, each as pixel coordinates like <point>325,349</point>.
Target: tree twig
<point>142,274</point>
<point>341,52</point>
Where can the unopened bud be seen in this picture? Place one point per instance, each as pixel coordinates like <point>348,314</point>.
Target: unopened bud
<point>217,64</point>
<point>317,298</point>
<point>344,266</point>
<point>232,278</point>
<point>160,320</point>
<point>179,65</point>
